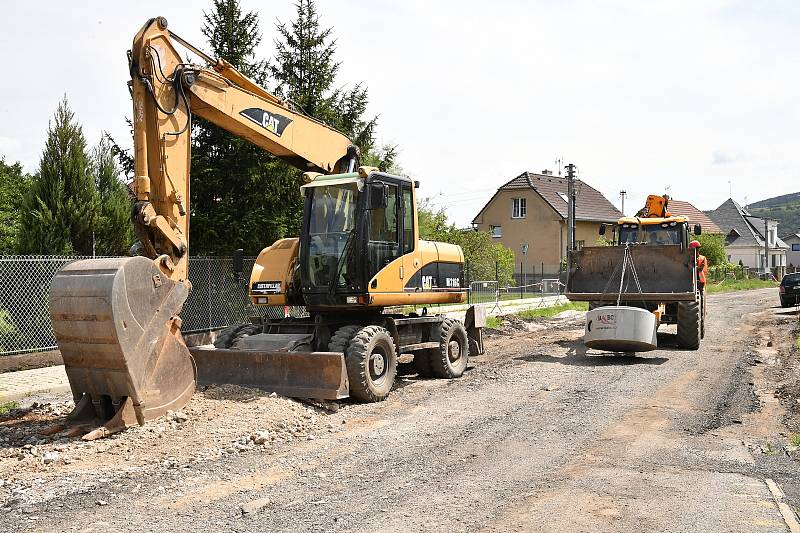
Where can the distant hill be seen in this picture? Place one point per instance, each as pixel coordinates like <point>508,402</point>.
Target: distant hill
<point>785,209</point>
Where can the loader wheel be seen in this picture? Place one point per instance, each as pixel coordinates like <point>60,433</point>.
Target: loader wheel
<point>595,305</point>
<point>371,360</point>
<point>702,315</point>
<point>231,334</point>
<point>450,360</point>
<point>341,339</point>
<point>689,325</point>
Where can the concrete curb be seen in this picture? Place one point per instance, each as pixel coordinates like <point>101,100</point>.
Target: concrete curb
<point>23,383</point>
<point>787,513</point>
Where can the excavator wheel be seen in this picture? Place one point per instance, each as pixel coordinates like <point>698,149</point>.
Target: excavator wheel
<point>116,324</point>
<point>231,334</point>
<point>422,363</point>
<point>450,359</point>
<point>342,337</point>
<point>371,360</point>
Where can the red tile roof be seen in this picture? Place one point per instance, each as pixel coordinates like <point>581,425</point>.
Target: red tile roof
<point>590,204</point>
<point>679,207</point>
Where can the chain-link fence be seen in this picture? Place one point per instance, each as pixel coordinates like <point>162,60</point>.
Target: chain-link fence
<point>529,281</point>
<point>218,298</point>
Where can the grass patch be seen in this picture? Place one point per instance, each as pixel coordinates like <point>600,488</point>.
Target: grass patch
<point>493,322</point>
<point>547,312</point>
<point>740,285</point>
<point>7,407</point>
<point>795,439</point>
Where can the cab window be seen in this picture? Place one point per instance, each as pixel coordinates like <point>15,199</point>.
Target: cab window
<point>384,239</point>
<point>408,220</point>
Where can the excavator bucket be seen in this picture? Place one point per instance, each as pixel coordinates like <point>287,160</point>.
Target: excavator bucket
<point>116,324</point>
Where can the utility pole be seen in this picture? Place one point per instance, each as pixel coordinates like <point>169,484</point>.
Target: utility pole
<point>622,195</point>
<point>766,248</point>
<point>571,207</point>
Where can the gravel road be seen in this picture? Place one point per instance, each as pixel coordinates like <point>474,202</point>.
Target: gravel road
<point>538,435</point>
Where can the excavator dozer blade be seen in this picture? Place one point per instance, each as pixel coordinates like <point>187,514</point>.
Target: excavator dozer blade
<point>319,375</point>
<point>116,324</point>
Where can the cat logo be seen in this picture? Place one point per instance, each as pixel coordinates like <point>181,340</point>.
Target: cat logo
<point>271,122</point>
<point>427,282</point>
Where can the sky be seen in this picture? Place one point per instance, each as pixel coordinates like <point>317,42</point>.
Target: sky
<point>694,98</point>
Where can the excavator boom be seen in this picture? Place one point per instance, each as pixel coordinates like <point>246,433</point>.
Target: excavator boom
<point>116,320</point>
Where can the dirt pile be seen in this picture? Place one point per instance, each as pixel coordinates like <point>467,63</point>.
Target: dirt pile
<point>218,421</point>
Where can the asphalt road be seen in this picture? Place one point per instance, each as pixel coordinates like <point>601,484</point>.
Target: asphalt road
<point>538,435</point>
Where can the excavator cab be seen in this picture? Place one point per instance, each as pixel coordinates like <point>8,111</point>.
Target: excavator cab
<point>349,218</point>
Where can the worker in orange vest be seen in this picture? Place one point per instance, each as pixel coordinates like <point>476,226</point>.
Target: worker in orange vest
<point>702,265</point>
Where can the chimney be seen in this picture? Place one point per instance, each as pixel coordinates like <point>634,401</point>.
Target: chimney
<point>546,172</point>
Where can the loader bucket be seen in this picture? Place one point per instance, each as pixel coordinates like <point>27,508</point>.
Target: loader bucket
<point>665,273</point>
<point>116,324</point>
<point>319,375</point>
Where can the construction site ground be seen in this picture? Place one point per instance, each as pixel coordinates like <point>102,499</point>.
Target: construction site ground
<point>540,434</point>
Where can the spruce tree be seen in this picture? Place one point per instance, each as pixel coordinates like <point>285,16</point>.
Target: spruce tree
<point>113,233</point>
<point>305,71</point>
<point>61,208</point>
<point>242,197</point>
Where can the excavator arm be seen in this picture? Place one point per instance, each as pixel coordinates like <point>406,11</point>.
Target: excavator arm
<point>116,320</point>
<point>167,92</point>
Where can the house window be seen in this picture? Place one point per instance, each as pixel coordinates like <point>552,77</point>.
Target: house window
<point>796,247</point>
<point>563,197</point>
<point>774,261</point>
<point>518,208</point>
<point>496,231</point>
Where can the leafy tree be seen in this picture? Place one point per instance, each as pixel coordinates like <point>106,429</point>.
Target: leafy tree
<point>486,259</point>
<point>713,247</point>
<point>113,233</point>
<point>14,184</point>
<point>62,206</point>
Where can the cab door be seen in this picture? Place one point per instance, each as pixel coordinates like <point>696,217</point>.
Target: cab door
<point>410,259</point>
<point>383,243</point>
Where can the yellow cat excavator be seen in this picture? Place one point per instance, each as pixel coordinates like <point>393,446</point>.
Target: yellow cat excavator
<point>117,320</point>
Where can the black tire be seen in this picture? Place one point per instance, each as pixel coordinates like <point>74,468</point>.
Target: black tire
<point>422,363</point>
<point>702,315</point>
<point>341,339</point>
<point>371,360</point>
<point>689,325</point>
<point>450,360</point>
<point>595,305</point>
<point>231,334</point>
<point>784,303</point>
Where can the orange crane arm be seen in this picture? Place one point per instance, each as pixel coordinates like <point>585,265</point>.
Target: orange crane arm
<point>166,93</point>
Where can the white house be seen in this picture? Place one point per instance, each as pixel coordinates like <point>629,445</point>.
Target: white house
<point>744,237</point>
<point>793,253</point>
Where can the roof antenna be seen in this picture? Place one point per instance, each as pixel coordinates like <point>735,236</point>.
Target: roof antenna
<point>559,162</point>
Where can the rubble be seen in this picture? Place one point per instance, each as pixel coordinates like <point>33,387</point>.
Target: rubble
<point>218,421</point>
